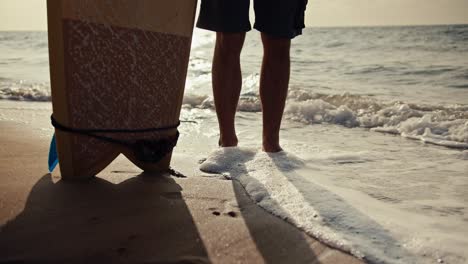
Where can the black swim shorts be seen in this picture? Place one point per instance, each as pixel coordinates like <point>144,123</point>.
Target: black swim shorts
<point>278,18</point>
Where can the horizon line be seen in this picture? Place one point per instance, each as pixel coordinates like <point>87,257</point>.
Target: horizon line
<point>313,26</point>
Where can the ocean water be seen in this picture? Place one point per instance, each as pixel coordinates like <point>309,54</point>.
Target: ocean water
<point>375,133</point>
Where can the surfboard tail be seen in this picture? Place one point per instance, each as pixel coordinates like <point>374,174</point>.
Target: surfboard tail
<point>118,64</point>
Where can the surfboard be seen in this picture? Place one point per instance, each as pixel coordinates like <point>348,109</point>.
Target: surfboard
<point>117,70</point>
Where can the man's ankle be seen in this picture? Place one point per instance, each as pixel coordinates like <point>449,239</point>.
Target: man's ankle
<point>228,142</point>
<point>272,149</point>
<point>271,146</point>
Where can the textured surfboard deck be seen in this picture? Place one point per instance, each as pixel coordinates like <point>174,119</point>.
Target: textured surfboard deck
<point>116,64</point>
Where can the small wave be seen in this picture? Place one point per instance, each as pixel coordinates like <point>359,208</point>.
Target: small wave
<point>458,32</point>
<point>24,91</point>
<point>335,44</point>
<point>429,71</point>
<point>440,125</point>
<point>201,38</point>
<point>463,76</point>
<point>192,100</point>
<point>42,45</point>
<point>373,69</point>
<point>459,86</point>
<point>199,66</point>
<point>434,124</point>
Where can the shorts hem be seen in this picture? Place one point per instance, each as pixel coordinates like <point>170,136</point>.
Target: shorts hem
<point>289,34</point>
<point>223,29</point>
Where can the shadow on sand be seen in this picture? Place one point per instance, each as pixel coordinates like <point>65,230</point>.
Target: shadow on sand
<point>141,220</point>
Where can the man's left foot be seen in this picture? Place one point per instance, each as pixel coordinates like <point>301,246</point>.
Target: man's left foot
<point>271,148</point>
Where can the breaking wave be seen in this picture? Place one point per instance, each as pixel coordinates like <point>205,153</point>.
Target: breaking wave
<point>24,91</point>
<point>445,125</point>
<point>436,124</point>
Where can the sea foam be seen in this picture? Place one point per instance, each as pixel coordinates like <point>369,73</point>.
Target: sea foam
<point>441,125</point>
<point>273,182</point>
<point>434,124</point>
<point>24,91</point>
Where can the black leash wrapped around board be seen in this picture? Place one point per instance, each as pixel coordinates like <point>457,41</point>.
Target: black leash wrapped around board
<point>145,150</point>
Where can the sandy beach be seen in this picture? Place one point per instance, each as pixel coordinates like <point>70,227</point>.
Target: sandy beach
<point>369,144</point>
<point>123,216</point>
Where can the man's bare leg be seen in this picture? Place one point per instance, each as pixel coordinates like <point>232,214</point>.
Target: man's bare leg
<point>274,82</point>
<point>227,83</point>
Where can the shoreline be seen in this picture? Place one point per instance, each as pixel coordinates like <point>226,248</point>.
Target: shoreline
<point>122,216</point>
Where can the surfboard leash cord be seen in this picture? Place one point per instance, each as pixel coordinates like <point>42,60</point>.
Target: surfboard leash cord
<point>144,150</point>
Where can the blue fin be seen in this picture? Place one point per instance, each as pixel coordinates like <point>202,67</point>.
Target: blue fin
<point>53,156</point>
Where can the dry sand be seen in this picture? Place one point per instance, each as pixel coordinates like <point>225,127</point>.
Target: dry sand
<point>125,217</point>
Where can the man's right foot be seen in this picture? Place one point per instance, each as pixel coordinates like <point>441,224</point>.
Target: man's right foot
<point>232,142</point>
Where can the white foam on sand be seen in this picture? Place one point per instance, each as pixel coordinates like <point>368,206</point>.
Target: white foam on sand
<point>273,182</point>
